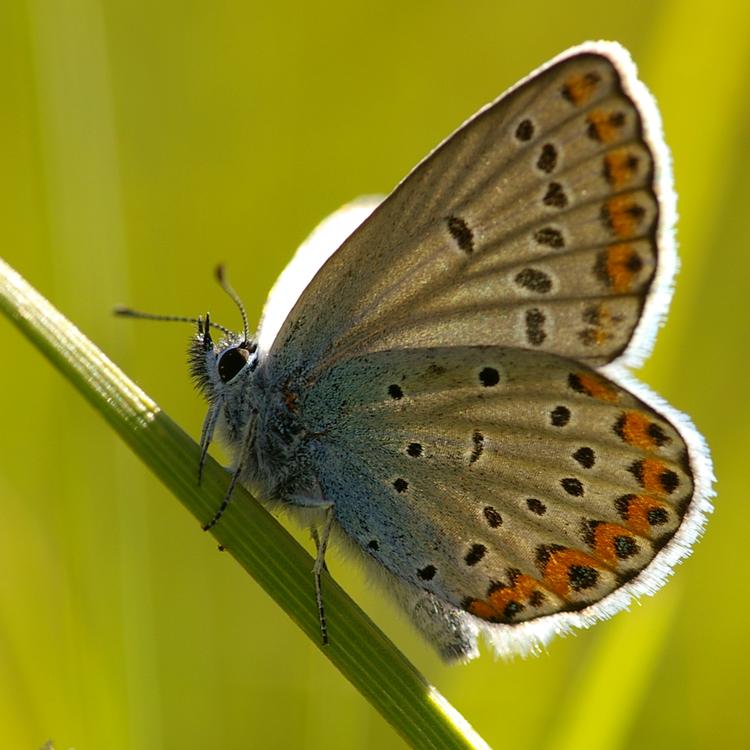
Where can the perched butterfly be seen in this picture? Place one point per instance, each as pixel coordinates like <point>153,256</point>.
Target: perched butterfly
<point>447,388</point>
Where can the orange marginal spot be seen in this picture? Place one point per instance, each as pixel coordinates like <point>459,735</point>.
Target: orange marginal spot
<point>594,386</point>
<point>600,320</point>
<point>600,316</point>
<point>579,88</point>
<point>598,336</point>
<point>637,513</point>
<point>605,535</point>
<point>623,214</point>
<point>622,264</point>
<point>604,126</point>
<point>522,589</point>
<point>633,428</point>
<point>482,610</point>
<point>494,608</point>
<point>620,167</point>
<point>651,474</point>
<point>556,570</point>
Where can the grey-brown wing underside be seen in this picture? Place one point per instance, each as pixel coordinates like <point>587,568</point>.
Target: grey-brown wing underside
<point>541,223</point>
<point>511,484</point>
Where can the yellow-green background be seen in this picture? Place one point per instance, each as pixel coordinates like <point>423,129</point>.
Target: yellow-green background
<point>142,142</point>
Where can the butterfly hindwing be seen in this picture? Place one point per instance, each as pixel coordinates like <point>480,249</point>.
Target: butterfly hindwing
<point>511,484</point>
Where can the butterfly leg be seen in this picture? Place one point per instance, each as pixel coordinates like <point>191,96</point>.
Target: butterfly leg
<point>321,543</point>
<point>246,443</point>
<point>315,536</point>
<point>207,431</point>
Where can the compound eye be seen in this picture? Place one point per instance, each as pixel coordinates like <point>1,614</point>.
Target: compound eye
<point>231,362</point>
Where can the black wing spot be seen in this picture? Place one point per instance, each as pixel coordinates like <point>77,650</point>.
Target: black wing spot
<point>512,608</point>
<point>622,506</point>
<point>560,416</point>
<point>489,376</point>
<point>619,426</point>
<point>478,440</point>
<point>537,598</point>
<point>585,457</point>
<point>574,381</point>
<point>550,237</point>
<point>534,280</point>
<point>572,486</point>
<point>373,544</point>
<point>669,480</point>
<point>414,450</point>
<point>582,577</point>
<point>427,573</point>
<point>395,392</point>
<point>636,211</point>
<point>657,516</point>
<point>657,434</point>
<point>535,320</point>
<point>525,130</point>
<point>636,469</point>
<point>555,196</point>
<point>401,485</point>
<point>548,158</point>
<point>493,518</point>
<point>475,554</point>
<point>625,547</point>
<point>536,506</point>
<point>634,263</point>
<point>461,233</point>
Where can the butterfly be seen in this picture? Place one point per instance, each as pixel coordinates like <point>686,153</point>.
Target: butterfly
<point>441,378</point>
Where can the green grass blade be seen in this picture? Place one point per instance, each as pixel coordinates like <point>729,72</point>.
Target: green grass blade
<point>250,534</point>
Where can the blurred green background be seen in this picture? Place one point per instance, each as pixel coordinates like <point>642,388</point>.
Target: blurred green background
<point>142,142</point>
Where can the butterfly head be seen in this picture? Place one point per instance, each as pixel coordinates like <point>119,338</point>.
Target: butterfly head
<point>216,367</point>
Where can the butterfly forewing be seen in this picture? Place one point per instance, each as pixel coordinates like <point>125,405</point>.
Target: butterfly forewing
<point>514,484</point>
<point>534,225</point>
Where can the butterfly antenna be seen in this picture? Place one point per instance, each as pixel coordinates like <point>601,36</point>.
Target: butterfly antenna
<point>126,312</point>
<point>222,279</point>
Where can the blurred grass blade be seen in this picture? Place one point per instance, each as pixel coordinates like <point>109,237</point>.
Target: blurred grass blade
<point>717,133</point>
<point>593,716</point>
<point>250,534</point>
